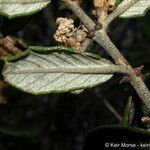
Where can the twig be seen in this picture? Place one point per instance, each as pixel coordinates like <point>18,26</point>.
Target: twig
<point>123,6</point>
<point>110,107</point>
<point>85,45</point>
<point>102,38</point>
<point>78,11</point>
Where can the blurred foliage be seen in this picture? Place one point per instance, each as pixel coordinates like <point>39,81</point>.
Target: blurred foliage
<point>145,23</point>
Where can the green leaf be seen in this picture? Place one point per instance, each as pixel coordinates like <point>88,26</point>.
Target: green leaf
<point>128,113</point>
<point>138,9</point>
<point>55,71</point>
<point>18,8</point>
<point>17,132</point>
<point>145,24</point>
<point>116,134</point>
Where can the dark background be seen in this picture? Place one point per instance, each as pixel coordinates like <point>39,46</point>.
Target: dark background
<point>61,121</point>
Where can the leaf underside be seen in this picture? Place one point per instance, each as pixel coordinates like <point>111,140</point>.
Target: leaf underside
<point>17,8</point>
<point>138,9</point>
<point>55,72</point>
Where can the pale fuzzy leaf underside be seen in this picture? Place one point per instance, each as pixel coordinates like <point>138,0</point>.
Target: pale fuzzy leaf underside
<point>138,9</point>
<point>18,8</point>
<point>55,72</point>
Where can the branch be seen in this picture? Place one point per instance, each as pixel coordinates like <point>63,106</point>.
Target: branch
<point>123,6</point>
<point>109,106</point>
<point>143,93</point>
<point>78,11</point>
<point>85,45</point>
<point>102,38</point>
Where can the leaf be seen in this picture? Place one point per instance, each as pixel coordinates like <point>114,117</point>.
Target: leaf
<point>17,132</point>
<point>77,91</point>
<point>128,114</point>
<point>145,24</point>
<point>58,71</point>
<point>123,135</point>
<point>18,8</point>
<point>138,9</point>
